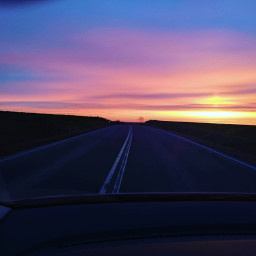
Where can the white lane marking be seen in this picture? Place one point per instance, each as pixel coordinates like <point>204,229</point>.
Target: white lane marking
<point>122,168</point>
<point>209,149</point>
<point>7,158</point>
<point>112,170</point>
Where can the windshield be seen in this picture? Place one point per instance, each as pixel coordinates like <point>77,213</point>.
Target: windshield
<point>125,96</point>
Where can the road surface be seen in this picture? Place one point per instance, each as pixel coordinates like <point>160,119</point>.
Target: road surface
<point>122,159</point>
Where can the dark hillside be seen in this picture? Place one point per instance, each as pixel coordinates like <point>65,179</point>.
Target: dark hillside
<point>20,131</point>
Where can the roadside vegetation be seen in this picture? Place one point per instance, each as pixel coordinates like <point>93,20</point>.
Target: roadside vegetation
<point>20,131</point>
<point>238,141</point>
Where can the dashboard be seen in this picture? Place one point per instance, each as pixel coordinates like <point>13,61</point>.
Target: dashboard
<point>130,228</point>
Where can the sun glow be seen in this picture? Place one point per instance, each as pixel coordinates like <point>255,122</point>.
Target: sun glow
<point>216,100</point>
<point>218,114</point>
<point>208,116</point>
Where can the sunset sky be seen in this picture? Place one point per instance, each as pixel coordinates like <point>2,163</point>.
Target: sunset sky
<point>121,59</point>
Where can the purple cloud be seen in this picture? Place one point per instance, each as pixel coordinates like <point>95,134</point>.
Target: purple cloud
<point>150,96</point>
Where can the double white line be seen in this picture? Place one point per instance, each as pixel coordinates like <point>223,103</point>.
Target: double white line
<point>125,153</point>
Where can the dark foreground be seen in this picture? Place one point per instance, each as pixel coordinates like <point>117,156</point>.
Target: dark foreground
<point>120,159</point>
<point>20,131</point>
<point>236,140</point>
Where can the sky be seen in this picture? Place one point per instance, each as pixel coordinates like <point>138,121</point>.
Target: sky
<point>181,60</point>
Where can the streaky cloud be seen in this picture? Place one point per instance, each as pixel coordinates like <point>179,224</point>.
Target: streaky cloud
<point>161,107</point>
<point>150,96</point>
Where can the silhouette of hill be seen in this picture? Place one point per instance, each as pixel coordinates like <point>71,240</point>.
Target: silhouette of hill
<point>20,131</point>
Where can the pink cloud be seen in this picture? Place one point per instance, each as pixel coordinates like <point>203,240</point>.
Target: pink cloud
<point>128,62</point>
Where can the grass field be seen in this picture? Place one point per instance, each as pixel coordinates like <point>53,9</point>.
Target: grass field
<point>238,141</point>
<point>20,131</point>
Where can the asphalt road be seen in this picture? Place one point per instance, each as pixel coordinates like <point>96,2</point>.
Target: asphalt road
<point>122,159</point>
